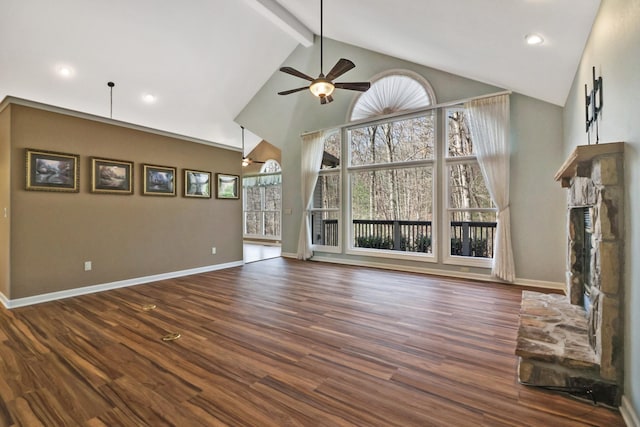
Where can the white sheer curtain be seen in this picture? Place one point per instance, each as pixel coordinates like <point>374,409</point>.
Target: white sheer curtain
<point>312,150</point>
<point>489,123</point>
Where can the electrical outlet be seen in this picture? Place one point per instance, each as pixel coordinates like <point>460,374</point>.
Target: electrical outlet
<point>213,250</point>
<point>464,269</point>
<point>87,266</point>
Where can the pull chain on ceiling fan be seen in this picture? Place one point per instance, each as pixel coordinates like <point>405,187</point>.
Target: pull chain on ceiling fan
<point>323,86</point>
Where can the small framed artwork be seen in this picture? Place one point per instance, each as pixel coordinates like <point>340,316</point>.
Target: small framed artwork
<point>51,171</point>
<point>228,186</point>
<point>158,180</point>
<point>111,176</point>
<point>197,183</point>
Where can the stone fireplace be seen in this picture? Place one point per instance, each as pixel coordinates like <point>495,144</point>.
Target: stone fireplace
<point>574,342</point>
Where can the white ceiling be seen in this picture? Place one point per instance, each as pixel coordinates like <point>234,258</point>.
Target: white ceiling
<point>205,59</point>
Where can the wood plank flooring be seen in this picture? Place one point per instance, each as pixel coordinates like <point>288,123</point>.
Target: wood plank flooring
<point>278,343</point>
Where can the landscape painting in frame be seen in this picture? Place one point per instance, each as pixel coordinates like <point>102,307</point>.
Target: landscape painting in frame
<point>197,183</point>
<point>228,186</point>
<point>159,180</point>
<point>51,171</point>
<point>111,176</point>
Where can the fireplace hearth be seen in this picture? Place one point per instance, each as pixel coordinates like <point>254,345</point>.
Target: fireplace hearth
<point>574,342</point>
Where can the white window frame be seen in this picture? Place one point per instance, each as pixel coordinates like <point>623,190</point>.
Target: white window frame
<point>338,171</point>
<point>432,163</point>
<point>447,258</point>
<point>261,236</point>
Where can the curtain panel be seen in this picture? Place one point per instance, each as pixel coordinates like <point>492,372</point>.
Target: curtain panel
<point>312,150</point>
<point>489,126</point>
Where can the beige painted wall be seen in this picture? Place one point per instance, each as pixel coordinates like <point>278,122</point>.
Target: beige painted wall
<point>262,152</point>
<point>5,117</point>
<point>124,236</point>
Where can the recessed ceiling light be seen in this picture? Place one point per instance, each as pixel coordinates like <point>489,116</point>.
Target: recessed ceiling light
<point>534,39</point>
<point>149,98</point>
<point>65,71</point>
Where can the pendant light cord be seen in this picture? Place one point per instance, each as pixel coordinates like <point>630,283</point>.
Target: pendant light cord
<point>321,37</point>
<point>111,85</point>
<point>242,127</point>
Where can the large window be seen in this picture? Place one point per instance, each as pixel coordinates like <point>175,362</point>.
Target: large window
<point>470,213</point>
<point>409,186</point>
<point>262,205</point>
<point>326,209</point>
<point>391,185</point>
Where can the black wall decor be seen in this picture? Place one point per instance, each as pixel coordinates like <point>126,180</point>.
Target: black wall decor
<point>593,105</point>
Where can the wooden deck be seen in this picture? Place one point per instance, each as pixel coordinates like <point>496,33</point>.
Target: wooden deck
<point>278,343</point>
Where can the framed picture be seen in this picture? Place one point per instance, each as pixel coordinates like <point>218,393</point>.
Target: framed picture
<point>228,186</point>
<point>158,180</point>
<point>51,171</point>
<point>197,184</point>
<point>111,176</point>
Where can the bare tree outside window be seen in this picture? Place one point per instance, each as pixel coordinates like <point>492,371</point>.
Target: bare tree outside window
<point>471,212</point>
<point>262,204</point>
<point>391,175</point>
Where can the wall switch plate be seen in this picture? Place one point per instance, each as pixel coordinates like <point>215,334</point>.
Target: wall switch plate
<point>87,266</point>
<point>213,250</point>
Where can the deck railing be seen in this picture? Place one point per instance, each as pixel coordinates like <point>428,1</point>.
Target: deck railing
<point>468,238</point>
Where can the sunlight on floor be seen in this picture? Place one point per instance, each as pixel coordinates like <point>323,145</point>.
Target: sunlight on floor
<point>257,252</point>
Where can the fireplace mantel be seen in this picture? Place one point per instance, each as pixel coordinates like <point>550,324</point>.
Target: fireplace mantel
<point>584,153</point>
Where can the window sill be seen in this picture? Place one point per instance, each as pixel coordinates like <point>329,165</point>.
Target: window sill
<point>468,261</point>
<point>327,249</point>
<point>378,253</point>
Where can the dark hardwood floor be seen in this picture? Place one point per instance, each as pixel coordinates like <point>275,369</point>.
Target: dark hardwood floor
<point>278,343</point>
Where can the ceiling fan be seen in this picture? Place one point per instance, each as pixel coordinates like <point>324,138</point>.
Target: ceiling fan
<point>246,161</point>
<point>323,86</point>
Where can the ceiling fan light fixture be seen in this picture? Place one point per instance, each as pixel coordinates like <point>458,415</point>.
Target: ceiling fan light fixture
<point>321,87</point>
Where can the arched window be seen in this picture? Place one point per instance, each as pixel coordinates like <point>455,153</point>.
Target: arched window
<point>270,166</point>
<point>391,92</point>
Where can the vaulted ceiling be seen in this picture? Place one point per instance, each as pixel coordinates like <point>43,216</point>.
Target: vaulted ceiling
<point>203,60</point>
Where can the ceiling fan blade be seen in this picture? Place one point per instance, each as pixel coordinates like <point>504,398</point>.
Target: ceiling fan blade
<point>359,86</point>
<point>287,92</point>
<point>342,66</point>
<point>296,73</point>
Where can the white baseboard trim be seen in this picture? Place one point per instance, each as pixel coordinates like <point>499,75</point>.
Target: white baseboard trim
<point>542,284</point>
<point>437,272</point>
<point>52,296</point>
<point>629,415</point>
<point>289,255</point>
<point>4,300</point>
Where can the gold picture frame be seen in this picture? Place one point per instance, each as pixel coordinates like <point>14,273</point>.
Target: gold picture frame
<point>52,171</point>
<point>228,186</point>
<point>197,184</point>
<point>158,180</point>
<point>111,176</point>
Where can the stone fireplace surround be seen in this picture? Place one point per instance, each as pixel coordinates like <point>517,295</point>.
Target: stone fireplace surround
<point>561,345</point>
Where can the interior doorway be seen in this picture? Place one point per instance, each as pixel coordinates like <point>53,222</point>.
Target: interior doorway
<point>262,203</point>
